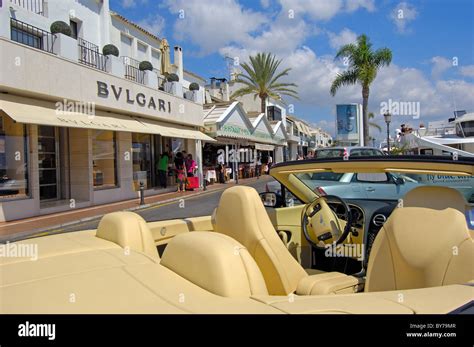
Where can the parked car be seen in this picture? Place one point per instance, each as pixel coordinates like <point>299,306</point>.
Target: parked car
<point>384,186</point>
<point>340,152</point>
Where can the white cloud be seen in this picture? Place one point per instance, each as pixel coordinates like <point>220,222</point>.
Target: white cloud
<point>440,65</point>
<point>353,5</point>
<point>467,71</point>
<point>265,3</point>
<point>132,3</point>
<point>212,24</point>
<point>153,23</point>
<point>402,15</point>
<point>324,9</point>
<point>345,37</point>
<point>316,9</point>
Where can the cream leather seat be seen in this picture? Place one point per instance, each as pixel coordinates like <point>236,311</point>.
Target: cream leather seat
<point>420,247</point>
<point>242,216</point>
<point>435,197</point>
<point>128,230</point>
<point>216,263</point>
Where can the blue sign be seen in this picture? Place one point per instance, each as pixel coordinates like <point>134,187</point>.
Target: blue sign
<point>346,117</point>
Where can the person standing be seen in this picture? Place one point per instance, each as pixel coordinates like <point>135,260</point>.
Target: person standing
<point>180,171</point>
<point>162,169</point>
<point>190,166</point>
<point>258,165</point>
<point>270,161</point>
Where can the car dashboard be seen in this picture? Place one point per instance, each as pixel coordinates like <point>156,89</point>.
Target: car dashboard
<point>368,217</point>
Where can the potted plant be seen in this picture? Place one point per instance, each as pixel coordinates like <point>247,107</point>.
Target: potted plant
<point>194,93</point>
<point>172,85</point>
<point>63,44</point>
<point>110,50</point>
<point>113,63</point>
<point>150,77</point>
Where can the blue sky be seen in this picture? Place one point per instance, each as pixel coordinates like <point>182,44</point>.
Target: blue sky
<point>432,43</point>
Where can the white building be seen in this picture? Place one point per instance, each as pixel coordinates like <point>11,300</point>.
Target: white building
<point>442,137</point>
<point>78,128</point>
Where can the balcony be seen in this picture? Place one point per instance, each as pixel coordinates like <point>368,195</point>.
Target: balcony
<point>35,6</point>
<point>89,55</point>
<point>132,70</point>
<point>30,35</point>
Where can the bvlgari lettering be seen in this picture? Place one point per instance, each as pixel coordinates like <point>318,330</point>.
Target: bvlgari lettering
<point>142,100</point>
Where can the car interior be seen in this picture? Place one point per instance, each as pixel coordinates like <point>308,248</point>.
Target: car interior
<point>247,258</point>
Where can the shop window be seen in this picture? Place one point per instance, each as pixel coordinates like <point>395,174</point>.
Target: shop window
<point>13,159</point>
<point>142,160</point>
<point>104,159</point>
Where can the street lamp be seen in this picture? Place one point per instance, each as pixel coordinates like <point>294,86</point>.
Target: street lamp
<point>388,118</point>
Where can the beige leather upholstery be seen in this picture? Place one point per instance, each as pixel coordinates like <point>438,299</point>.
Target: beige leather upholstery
<point>199,223</point>
<point>437,198</point>
<point>242,216</point>
<point>163,231</point>
<point>129,231</point>
<point>216,263</point>
<point>328,283</point>
<point>420,247</point>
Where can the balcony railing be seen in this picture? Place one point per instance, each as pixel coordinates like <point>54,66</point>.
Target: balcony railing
<point>132,72</point>
<point>35,6</point>
<point>89,55</point>
<point>30,35</point>
<point>161,79</point>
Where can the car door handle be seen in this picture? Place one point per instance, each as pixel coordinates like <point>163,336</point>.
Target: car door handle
<point>370,189</point>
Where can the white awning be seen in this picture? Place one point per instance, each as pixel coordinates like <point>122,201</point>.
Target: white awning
<point>29,111</point>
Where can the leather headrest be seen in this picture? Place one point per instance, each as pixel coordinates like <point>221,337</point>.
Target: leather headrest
<point>435,197</point>
<point>420,235</point>
<point>214,262</point>
<point>242,216</point>
<point>128,229</point>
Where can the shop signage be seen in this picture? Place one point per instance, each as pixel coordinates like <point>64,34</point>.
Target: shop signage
<point>260,135</point>
<point>105,90</point>
<point>91,123</point>
<point>234,129</point>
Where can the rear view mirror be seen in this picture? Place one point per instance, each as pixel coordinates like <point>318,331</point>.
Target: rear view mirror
<point>271,199</point>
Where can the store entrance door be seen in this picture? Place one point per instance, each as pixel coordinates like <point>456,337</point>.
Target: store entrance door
<point>48,163</point>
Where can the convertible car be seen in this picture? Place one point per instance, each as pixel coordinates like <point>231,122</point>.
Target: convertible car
<point>327,255</point>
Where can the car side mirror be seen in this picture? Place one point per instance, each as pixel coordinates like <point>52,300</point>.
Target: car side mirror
<point>399,181</point>
<point>271,199</point>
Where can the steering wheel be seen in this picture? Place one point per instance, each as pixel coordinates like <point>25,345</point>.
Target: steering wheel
<point>320,223</point>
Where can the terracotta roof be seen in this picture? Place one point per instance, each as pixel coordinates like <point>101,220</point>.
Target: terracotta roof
<point>123,19</point>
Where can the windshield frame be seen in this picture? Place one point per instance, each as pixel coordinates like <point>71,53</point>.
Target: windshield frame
<point>422,164</point>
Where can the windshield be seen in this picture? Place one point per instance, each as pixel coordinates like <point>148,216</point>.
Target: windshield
<point>381,186</point>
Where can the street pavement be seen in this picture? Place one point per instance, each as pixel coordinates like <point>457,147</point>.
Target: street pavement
<point>202,204</point>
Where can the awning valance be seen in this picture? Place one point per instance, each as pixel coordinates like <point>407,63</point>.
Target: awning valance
<point>262,147</point>
<point>28,111</point>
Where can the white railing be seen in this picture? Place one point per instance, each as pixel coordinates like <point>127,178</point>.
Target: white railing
<point>35,6</point>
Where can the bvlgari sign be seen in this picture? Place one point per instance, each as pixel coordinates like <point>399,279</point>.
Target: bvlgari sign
<point>151,102</point>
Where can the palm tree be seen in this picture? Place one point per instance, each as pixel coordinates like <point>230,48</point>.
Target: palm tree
<point>262,79</point>
<point>373,124</point>
<point>363,66</point>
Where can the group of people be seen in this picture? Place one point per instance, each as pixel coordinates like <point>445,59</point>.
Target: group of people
<point>184,167</point>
